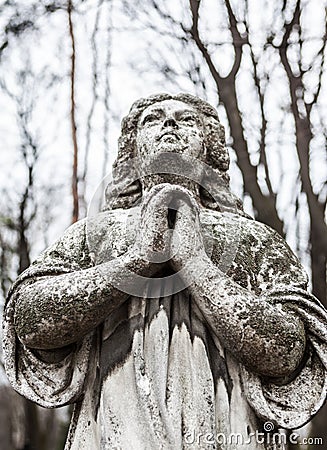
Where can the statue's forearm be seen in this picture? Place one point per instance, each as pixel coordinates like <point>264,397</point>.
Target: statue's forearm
<point>265,338</point>
<point>56,311</point>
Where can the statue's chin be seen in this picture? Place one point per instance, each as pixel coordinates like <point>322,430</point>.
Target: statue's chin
<point>171,146</point>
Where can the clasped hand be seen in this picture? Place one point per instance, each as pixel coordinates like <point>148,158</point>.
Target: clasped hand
<point>170,229</point>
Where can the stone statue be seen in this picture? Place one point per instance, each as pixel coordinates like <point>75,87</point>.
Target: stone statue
<point>135,317</point>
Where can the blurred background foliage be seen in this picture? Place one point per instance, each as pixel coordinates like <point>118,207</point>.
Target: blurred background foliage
<point>71,69</point>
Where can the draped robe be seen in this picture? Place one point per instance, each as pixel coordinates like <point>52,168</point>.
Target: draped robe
<point>153,374</point>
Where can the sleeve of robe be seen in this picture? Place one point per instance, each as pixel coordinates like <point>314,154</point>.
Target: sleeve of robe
<point>56,377</point>
<point>291,402</point>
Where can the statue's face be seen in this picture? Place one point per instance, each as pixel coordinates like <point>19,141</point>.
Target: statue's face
<point>170,126</point>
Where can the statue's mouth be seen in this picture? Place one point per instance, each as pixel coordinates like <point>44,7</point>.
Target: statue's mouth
<point>169,134</point>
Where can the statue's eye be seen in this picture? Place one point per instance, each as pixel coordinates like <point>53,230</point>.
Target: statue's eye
<point>189,119</point>
<point>150,118</point>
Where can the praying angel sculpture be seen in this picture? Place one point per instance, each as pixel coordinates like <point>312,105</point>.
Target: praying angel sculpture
<point>170,318</point>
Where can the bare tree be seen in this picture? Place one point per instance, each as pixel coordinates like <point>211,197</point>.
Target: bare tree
<point>72,114</point>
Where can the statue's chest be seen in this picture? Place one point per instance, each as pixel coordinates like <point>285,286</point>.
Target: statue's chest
<point>114,234</point>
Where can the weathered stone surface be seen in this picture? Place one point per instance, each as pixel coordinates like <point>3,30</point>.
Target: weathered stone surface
<point>232,341</point>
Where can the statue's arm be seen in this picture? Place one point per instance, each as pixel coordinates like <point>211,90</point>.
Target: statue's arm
<point>57,310</point>
<point>268,339</point>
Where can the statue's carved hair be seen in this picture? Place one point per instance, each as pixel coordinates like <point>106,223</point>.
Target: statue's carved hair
<point>216,155</point>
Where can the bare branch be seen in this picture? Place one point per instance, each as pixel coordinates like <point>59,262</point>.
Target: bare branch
<point>263,157</point>
<point>95,96</point>
<point>238,40</point>
<point>72,116</point>
<point>303,137</point>
<point>321,53</point>
<point>107,91</point>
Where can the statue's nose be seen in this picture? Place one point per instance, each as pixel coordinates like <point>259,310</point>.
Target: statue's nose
<point>170,122</point>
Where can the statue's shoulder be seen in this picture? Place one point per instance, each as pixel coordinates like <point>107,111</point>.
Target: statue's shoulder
<point>110,233</point>
<point>250,252</point>
<point>248,237</point>
<point>74,247</point>
<point>241,226</point>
